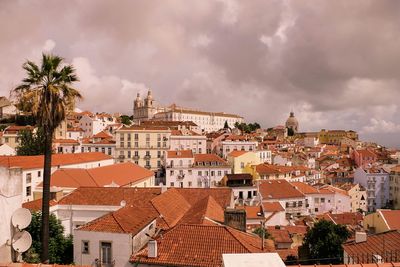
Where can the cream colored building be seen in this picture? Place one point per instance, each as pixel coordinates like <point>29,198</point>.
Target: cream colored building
<point>382,220</point>
<point>10,135</point>
<point>145,146</point>
<point>239,159</point>
<point>358,198</point>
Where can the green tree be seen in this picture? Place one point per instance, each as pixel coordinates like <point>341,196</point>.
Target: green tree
<point>60,246</point>
<point>226,126</point>
<point>46,92</point>
<point>30,143</point>
<point>125,120</point>
<point>323,243</point>
<point>260,231</point>
<point>290,132</point>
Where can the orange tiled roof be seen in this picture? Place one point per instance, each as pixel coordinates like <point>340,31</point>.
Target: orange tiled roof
<point>305,188</point>
<point>272,206</point>
<point>180,154</point>
<point>237,153</point>
<point>277,189</point>
<point>223,196</point>
<point>266,169</point>
<point>208,158</point>
<point>33,162</point>
<point>204,211</point>
<point>129,219</point>
<point>102,135</point>
<point>120,174</point>
<point>374,245</point>
<point>280,235</point>
<point>200,245</point>
<point>36,205</point>
<point>251,211</point>
<point>171,205</point>
<point>392,218</point>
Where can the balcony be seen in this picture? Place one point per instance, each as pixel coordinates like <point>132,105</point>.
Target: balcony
<point>147,157</point>
<point>147,166</point>
<point>180,177</point>
<point>136,157</point>
<point>121,156</point>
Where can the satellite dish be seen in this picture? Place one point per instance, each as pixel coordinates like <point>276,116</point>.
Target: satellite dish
<point>22,241</point>
<point>21,218</point>
<point>123,203</point>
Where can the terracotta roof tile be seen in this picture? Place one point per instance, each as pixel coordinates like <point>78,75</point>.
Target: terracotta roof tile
<point>203,211</point>
<point>34,162</point>
<point>171,205</point>
<point>280,235</point>
<point>36,205</point>
<point>392,218</point>
<point>200,245</point>
<point>277,189</point>
<point>223,196</point>
<point>237,153</point>
<point>180,154</point>
<point>208,158</point>
<point>120,174</point>
<point>252,211</point>
<point>102,135</point>
<point>305,188</point>
<point>272,206</point>
<point>375,245</point>
<point>129,219</point>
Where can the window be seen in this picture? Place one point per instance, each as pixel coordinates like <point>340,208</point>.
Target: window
<point>136,136</point>
<point>199,173</point>
<point>28,178</point>
<point>105,252</point>
<point>39,173</point>
<point>212,173</point>
<point>190,184</point>
<point>28,191</point>
<point>158,164</point>
<point>109,151</point>
<point>172,184</point>
<point>129,154</point>
<point>219,173</point>
<point>242,165</point>
<point>190,172</point>
<point>322,200</point>
<point>85,247</point>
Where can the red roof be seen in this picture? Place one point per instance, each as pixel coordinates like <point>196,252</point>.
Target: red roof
<point>205,211</point>
<point>121,174</point>
<point>272,206</point>
<point>180,154</point>
<point>102,135</point>
<point>208,158</point>
<point>171,205</point>
<point>392,218</point>
<point>129,219</point>
<point>305,188</point>
<point>35,162</point>
<point>375,244</point>
<point>252,211</point>
<point>280,235</point>
<point>199,245</point>
<point>278,189</point>
<point>237,153</point>
<point>36,205</point>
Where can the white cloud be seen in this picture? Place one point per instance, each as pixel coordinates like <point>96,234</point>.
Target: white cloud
<point>201,40</point>
<point>230,12</point>
<point>48,45</point>
<point>381,126</point>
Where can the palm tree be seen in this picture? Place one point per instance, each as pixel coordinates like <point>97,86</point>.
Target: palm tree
<point>47,94</point>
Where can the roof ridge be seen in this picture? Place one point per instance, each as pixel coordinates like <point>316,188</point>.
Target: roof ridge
<point>230,231</point>
<point>93,178</point>
<point>116,220</point>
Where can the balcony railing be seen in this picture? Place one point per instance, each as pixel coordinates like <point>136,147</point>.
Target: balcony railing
<point>147,157</point>
<point>136,157</point>
<point>180,176</point>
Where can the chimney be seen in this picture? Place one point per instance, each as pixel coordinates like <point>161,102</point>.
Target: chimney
<point>235,219</point>
<point>361,237</point>
<point>164,188</point>
<point>152,249</point>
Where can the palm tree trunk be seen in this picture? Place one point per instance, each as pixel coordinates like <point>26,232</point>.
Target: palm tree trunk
<point>46,198</point>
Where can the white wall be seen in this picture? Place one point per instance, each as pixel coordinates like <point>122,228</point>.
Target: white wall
<point>10,200</point>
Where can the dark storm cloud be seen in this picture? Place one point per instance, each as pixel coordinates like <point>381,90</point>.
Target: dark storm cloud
<point>335,63</point>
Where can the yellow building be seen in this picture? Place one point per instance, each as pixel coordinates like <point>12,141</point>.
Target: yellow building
<point>61,131</point>
<point>382,221</point>
<point>334,137</point>
<point>239,159</point>
<point>10,135</point>
<point>144,146</point>
<point>358,196</point>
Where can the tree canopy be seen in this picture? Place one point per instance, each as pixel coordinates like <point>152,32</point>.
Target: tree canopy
<point>125,119</point>
<point>247,128</point>
<point>323,243</point>
<point>30,143</point>
<point>60,246</point>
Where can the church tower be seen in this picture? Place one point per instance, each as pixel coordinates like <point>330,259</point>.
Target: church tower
<point>292,123</point>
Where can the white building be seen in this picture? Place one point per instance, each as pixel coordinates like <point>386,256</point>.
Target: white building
<point>264,155</point>
<point>111,239</point>
<point>376,181</point>
<point>183,169</point>
<point>6,150</point>
<point>147,109</point>
<point>235,142</point>
<point>188,140</point>
<point>30,168</point>
<point>92,125</point>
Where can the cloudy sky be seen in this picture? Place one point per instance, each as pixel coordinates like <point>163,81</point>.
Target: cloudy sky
<point>336,64</point>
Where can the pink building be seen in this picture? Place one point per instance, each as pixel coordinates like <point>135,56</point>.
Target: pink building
<point>364,157</point>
